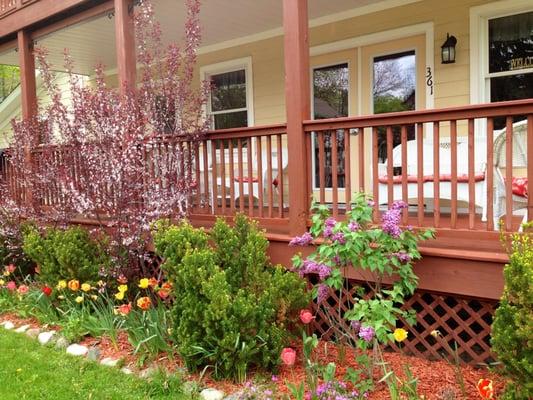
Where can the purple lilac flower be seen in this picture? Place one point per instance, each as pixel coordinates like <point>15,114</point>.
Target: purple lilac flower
<point>312,267</point>
<point>391,220</point>
<point>339,238</point>
<point>403,257</point>
<point>366,333</point>
<point>323,292</point>
<point>356,326</point>
<point>330,222</point>
<point>353,226</point>
<point>328,231</point>
<point>371,203</point>
<point>303,240</point>
<point>399,205</point>
<point>337,260</point>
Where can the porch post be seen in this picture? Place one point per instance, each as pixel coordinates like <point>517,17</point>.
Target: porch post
<point>125,44</point>
<point>28,90</point>
<point>297,100</point>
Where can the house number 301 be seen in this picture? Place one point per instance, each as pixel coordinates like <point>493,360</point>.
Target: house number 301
<point>429,79</point>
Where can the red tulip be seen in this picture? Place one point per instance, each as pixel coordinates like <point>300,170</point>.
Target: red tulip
<point>11,286</point>
<point>484,387</point>
<point>288,356</point>
<point>47,291</point>
<point>306,316</point>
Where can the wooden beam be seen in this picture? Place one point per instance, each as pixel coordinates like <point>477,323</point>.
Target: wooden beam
<point>34,13</point>
<point>125,44</point>
<point>297,100</point>
<point>27,74</point>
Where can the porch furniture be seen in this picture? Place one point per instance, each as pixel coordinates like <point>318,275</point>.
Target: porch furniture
<point>445,172</point>
<point>519,164</point>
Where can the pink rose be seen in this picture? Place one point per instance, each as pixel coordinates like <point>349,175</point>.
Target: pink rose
<point>288,356</point>
<point>23,289</point>
<point>306,316</point>
<point>11,286</point>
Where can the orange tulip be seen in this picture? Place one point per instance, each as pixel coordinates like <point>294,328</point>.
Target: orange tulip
<point>144,303</point>
<point>74,285</point>
<point>484,387</point>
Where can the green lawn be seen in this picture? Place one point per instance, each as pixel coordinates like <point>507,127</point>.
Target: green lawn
<point>31,371</point>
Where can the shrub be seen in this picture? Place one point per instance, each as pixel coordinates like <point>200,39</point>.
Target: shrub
<point>65,254</point>
<point>512,328</point>
<point>232,308</point>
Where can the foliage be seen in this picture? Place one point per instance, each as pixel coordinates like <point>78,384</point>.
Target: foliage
<point>513,322</point>
<point>101,152</point>
<point>232,308</point>
<point>65,254</point>
<point>32,371</point>
<point>9,80</point>
<point>11,244</point>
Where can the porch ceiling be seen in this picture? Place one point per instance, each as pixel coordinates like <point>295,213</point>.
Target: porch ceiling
<point>222,21</point>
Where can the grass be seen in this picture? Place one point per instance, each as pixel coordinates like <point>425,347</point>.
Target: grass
<point>31,371</point>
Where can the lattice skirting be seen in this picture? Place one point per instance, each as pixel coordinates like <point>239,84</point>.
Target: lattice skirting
<point>462,323</point>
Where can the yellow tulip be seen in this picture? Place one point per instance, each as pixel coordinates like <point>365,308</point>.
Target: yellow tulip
<point>400,334</point>
<point>119,296</point>
<point>2,282</point>
<point>61,285</point>
<point>85,287</point>
<point>7,273</point>
<point>144,283</point>
<point>94,297</point>
<point>123,288</point>
<point>79,299</point>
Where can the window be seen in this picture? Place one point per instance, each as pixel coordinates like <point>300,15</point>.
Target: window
<point>229,104</point>
<point>330,100</point>
<point>510,59</point>
<point>393,90</point>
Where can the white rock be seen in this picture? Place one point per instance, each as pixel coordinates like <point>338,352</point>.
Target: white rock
<point>211,394</point>
<point>109,362</point>
<point>77,350</point>
<point>8,325</point>
<point>22,329</point>
<point>126,370</point>
<point>45,337</point>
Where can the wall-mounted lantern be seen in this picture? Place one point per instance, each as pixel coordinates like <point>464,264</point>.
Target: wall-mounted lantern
<point>448,49</point>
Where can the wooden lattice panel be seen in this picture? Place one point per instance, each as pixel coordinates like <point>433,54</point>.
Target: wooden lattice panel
<point>462,323</point>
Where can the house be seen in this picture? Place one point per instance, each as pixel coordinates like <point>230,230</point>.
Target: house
<point>426,101</point>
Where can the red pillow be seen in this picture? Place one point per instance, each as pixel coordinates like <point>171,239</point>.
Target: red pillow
<point>520,186</point>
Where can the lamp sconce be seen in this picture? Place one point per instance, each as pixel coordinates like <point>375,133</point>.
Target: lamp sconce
<point>448,49</point>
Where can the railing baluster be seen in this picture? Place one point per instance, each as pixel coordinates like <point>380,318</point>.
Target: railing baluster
<point>309,152</point>
<point>214,174</point>
<point>241,176</point>
<point>198,176</point>
<point>250,179</point>
<point>420,172</point>
<point>405,211</point>
<point>260,174</point>
<point>334,174</point>
<point>206,170</point>
<point>231,178</point>
<point>375,172</point>
<point>347,170</point>
<point>270,181</point>
<point>509,173</point>
<point>471,180</point>
<point>321,172</point>
<point>280,173</point>
<point>490,174</point>
<point>453,161</point>
<point>223,174</point>
<point>530,164</point>
<point>436,174</point>
<point>361,155</point>
<point>390,167</point>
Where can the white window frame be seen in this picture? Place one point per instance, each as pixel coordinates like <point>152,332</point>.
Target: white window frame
<point>479,37</point>
<point>313,140</point>
<point>230,66</point>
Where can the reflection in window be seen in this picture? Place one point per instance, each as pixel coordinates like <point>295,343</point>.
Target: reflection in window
<point>228,107</point>
<point>330,100</point>
<point>394,90</point>
<point>511,54</point>
<point>9,80</point>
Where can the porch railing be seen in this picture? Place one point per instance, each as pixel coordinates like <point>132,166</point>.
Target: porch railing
<point>9,6</point>
<point>456,168</point>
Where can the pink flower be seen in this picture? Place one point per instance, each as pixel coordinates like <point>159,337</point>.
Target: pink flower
<point>306,316</point>
<point>11,268</point>
<point>288,356</point>
<point>11,286</point>
<point>23,289</point>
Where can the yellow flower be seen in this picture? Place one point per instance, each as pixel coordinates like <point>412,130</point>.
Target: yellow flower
<point>119,296</point>
<point>79,299</point>
<point>122,288</point>
<point>61,297</point>
<point>7,273</point>
<point>74,285</point>
<point>2,282</point>
<point>400,334</point>
<point>61,285</point>
<point>85,287</point>
<point>436,333</point>
<point>94,297</point>
<point>144,283</point>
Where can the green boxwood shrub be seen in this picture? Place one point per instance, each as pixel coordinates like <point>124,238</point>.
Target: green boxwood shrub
<point>232,307</point>
<point>512,329</point>
<point>65,254</point>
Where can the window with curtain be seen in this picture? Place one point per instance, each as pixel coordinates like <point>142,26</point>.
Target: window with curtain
<point>330,100</point>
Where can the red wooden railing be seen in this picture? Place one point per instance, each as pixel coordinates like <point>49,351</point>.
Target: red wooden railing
<point>445,172</point>
<point>9,6</point>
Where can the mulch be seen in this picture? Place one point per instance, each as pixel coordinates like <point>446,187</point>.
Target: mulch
<point>436,379</point>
